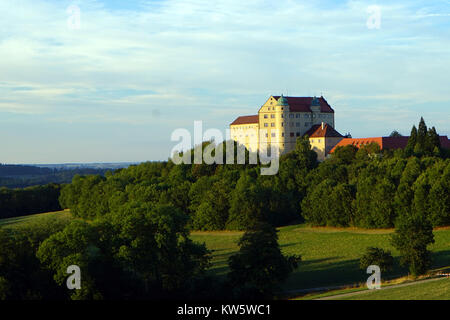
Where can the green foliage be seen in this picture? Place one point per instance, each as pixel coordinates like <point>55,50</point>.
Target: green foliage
<point>259,266</point>
<point>395,133</point>
<point>375,202</point>
<point>424,141</point>
<point>345,154</point>
<point>378,257</point>
<point>22,277</point>
<point>248,203</point>
<point>362,187</point>
<point>412,236</point>
<point>138,251</point>
<point>368,151</point>
<point>329,204</point>
<point>31,200</point>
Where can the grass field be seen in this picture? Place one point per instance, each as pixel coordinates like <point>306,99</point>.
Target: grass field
<point>24,220</point>
<point>435,290</point>
<point>330,256</point>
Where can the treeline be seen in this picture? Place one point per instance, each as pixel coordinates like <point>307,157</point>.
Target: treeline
<point>31,200</point>
<point>21,176</point>
<point>365,188</point>
<point>369,189</point>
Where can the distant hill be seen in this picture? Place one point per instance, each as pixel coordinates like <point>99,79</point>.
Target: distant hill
<point>21,176</point>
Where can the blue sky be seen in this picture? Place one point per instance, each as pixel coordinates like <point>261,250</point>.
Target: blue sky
<point>115,89</point>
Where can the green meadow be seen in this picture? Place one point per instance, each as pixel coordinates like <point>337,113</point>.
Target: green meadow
<point>330,256</point>
<point>35,218</point>
<point>435,290</point>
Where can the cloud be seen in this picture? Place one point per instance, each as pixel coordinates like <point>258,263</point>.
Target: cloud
<point>164,64</point>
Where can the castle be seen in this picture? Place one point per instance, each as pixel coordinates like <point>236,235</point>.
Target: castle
<point>281,120</point>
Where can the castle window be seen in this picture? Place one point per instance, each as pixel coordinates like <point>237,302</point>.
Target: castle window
<point>272,116</point>
<point>298,134</point>
<point>291,115</point>
<point>292,134</point>
<point>266,124</point>
<point>282,134</point>
<point>272,124</point>
<point>265,116</point>
<point>273,134</point>
<point>297,115</point>
<point>297,124</point>
<point>292,124</point>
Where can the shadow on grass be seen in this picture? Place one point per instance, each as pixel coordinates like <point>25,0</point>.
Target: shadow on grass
<point>440,259</point>
<point>319,273</point>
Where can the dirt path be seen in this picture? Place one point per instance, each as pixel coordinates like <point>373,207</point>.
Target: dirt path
<point>344,295</point>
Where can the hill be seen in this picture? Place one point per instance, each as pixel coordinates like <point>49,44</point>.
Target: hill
<point>330,255</point>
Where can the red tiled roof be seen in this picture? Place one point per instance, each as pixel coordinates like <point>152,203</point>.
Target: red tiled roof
<point>327,131</point>
<point>445,142</point>
<point>246,120</point>
<point>385,142</point>
<point>302,104</point>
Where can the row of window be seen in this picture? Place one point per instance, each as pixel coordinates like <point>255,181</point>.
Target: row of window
<point>297,124</point>
<point>292,134</point>
<point>297,115</point>
<point>273,135</point>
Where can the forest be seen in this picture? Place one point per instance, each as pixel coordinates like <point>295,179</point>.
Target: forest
<point>364,187</point>
<point>133,225</point>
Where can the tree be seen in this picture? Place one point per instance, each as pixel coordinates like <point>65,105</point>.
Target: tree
<point>412,141</point>
<point>22,277</point>
<point>305,156</point>
<point>378,257</point>
<point>422,134</point>
<point>405,194</point>
<point>259,266</point>
<point>395,133</point>
<point>248,203</point>
<point>345,154</point>
<point>432,142</point>
<point>329,204</point>
<point>368,151</point>
<point>140,251</point>
<point>412,236</point>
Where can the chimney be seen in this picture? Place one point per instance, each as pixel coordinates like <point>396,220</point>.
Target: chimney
<point>323,125</point>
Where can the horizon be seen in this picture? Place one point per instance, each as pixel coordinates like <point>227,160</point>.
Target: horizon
<point>89,81</point>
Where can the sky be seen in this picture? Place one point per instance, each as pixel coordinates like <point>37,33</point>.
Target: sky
<point>109,81</point>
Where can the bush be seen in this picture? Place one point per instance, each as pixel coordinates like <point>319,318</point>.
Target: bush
<point>378,257</point>
<point>412,236</point>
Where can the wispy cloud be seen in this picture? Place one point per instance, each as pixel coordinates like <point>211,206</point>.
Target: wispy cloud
<point>164,64</point>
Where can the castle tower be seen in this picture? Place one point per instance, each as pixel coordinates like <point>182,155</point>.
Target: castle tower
<point>315,111</point>
<point>282,117</point>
